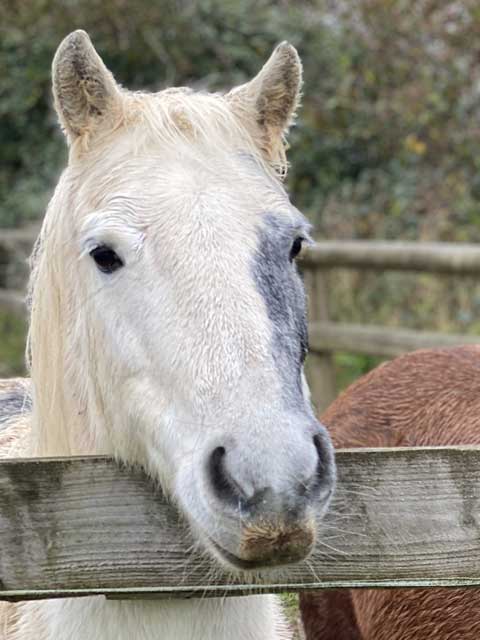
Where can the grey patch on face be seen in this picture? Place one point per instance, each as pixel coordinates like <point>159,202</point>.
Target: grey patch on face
<point>279,282</point>
<point>15,400</point>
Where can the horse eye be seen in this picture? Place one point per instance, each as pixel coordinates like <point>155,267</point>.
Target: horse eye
<point>296,248</point>
<point>106,259</point>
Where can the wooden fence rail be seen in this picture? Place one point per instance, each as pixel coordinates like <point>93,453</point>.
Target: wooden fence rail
<point>327,337</point>
<point>83,526</point>
<point>432,257</point>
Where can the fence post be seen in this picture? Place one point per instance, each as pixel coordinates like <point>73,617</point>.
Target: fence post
<point>320,369</point>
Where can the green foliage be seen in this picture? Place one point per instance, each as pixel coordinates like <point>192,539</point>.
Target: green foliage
<point>209,43</point>
<point>388,136</point>
<point>349,367</point>
<point>290,607</point>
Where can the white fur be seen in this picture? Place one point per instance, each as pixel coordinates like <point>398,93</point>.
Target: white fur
<point>246,618</point>
<point>158,362</point>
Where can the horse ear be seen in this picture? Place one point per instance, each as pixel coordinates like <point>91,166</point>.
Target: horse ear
<point>273,96</point>
<point>84,90</point>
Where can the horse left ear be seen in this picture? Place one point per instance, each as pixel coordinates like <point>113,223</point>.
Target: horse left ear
<point>85,92</point>
<point>273,96</point>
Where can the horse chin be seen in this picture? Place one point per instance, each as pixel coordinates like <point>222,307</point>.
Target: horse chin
<point>261,548</point>
<point>235,563</point>
<point>232,562</point>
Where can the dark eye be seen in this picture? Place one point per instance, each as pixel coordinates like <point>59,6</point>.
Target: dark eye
<point>296,248</point>
<point>106,259</point>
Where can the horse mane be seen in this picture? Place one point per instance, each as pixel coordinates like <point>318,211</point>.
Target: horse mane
<point>180,115</point>
<point>178,121</point>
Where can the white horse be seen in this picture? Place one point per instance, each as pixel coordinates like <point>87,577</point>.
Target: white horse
<point>168,330</point>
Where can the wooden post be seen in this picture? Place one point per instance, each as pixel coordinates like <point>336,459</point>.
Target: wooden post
<point>320,369</point>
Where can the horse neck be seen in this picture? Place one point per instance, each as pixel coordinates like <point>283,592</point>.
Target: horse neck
<point>246,618</point>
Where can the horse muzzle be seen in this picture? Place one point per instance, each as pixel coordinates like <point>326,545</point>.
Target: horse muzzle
<point>266,543</point>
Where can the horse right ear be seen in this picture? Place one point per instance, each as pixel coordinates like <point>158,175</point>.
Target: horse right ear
<point>271,98</point>
<point>84,90</point>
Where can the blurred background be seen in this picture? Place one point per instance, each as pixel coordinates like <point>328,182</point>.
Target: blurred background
<point>387,145</point>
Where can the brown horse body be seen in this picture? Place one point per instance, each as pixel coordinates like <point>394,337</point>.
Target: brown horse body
<point>426,398</point>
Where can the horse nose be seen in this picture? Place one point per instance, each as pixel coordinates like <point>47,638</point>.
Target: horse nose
<point>306,479</point>
<point>278,489</point>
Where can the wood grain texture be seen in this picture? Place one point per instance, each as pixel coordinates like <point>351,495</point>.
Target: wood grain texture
<point>379,341</point>
<point>71,527</point>
<point>434,257</point>
<point>320,368</point>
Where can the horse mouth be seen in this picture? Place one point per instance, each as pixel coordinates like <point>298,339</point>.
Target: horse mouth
<point>233,560</point>
<point>266,556</point>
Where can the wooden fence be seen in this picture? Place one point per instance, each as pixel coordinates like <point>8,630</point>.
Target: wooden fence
<point>327,337</point>
<point>84,526</point>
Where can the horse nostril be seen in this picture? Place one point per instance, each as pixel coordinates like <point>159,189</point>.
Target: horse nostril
<point>321,453</point>
<point>223,485</point>
<point>324,476</point>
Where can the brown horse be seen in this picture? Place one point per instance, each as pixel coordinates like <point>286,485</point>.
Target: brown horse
<point>430,397</point>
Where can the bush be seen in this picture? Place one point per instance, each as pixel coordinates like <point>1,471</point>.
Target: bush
<point>388,140</point>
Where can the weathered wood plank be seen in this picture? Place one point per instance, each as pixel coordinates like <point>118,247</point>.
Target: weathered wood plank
<point>401,517</point>
<point>452,258</point>
<point>320,368</point>
<point>379,341</point>
<point>22,238</point>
